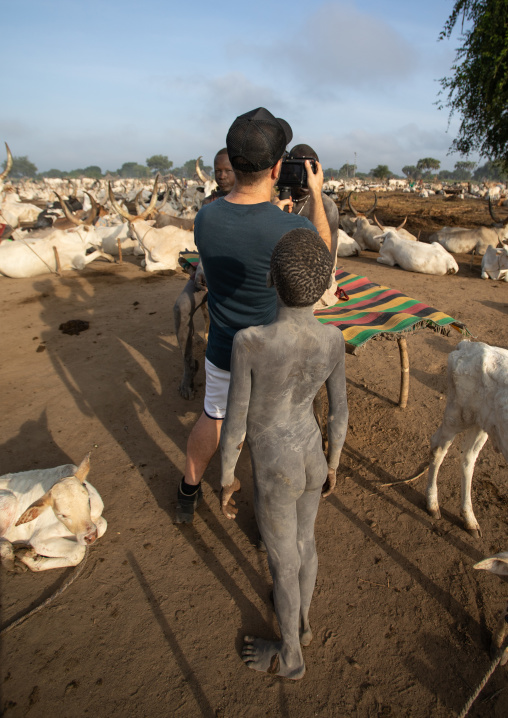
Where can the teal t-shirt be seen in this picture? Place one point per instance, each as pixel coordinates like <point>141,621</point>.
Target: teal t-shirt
<point>235,244</point>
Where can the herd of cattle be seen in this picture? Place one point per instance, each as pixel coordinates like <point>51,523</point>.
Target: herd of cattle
<point>41,232</point>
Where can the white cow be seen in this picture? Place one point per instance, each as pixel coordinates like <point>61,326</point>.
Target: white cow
<point>56,512</point>
<point>416,256</point>
<point>368,235</point>
<point>32,257</point>
<point>477,403</point>
<point>162,246</point>
<point>346,245</point>
<point>460,240</point>
<point>495,263</point>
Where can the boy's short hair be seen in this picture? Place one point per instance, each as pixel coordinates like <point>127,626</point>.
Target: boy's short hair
<point>301,266</point>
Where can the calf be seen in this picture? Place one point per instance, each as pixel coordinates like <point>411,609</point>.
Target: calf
<point>477,403</point>
<point>56,512</point>
<point>416,256</point>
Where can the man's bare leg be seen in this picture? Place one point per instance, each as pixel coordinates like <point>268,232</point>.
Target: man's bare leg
<point>202,444</point>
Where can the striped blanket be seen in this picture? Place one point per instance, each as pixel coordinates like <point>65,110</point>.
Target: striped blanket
<point>372,310</point>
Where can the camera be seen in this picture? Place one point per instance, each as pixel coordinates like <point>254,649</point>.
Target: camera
<point>293,173</point>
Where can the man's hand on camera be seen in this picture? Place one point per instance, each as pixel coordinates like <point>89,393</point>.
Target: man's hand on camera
<point>281,203</point>
<point>314,180</point>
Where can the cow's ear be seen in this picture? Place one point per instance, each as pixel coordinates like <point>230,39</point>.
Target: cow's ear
<point>35,509</point>
<point>83,469</point>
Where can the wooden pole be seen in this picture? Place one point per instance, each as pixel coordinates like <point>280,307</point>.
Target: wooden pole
<point>57,259</point>
<point>404,371</point>
<point>119,243</point>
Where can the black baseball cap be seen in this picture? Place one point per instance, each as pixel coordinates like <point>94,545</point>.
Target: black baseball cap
<point>257,140</point>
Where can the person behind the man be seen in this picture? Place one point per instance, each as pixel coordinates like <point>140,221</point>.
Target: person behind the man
<point>300,205</point>
<point>185,305</point>
<point>224,176</point>
<point>235,236</point>
<point>276,371</point>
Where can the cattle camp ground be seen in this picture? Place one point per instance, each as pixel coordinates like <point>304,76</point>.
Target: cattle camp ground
<point>153,626</point>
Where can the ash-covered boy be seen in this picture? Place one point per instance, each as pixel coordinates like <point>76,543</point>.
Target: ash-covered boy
<point>277,369</point>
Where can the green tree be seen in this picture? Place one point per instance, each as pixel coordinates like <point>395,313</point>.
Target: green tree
<point>21,167</point>
<point>411,172</point>
<point>347,170</point>
<point>477,90</point>
<point>132,169</point>
<point>53,173</point>
<point>330,173</point>
<point>159,163</point>
<point>93,171</point>
<point>381,172</point>
<point>188,170</point>
<point>464,170</point>
<point>491,170</point>
<point>428,163</point>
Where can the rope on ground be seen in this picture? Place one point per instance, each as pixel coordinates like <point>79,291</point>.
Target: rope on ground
<point>70,580</point>
<point>486,677</point>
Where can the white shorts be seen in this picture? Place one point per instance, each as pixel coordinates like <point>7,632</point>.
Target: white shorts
<point>216,393</point>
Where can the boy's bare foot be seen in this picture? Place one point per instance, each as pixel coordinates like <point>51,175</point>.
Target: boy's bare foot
<point>265,656</point>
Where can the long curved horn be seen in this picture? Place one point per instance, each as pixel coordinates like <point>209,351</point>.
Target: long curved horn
<point>80,222</point>
<point>133,217</point>
<point>165,198</point>
<point>350,205</point>
<point>401,225</point>
<point>379,224</point>
<point>8,166</point>
<point>497,220</point>
<point>201,173</point>
<point>122,212</point>
<point>369,211</point>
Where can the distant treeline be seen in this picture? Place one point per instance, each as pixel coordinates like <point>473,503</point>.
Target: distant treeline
<point>427,169</point>
<point>22,167</point>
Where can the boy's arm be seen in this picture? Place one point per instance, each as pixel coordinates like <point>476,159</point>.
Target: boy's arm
<point>337,420</point>
<point>235,424</point>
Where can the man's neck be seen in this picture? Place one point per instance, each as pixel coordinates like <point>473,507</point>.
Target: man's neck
<point>251,194</point>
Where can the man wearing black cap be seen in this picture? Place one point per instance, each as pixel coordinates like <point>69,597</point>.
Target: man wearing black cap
<point>235,236</point>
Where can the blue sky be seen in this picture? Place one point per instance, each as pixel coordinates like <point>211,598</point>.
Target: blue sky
<point>109,82</point>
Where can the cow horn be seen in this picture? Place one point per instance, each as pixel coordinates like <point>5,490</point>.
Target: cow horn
<point>497,220</point>
<point>8,165</point>
<point>403,223</point>
<point>79,222</point>
<point>122,212</point>
<point>133,217</point>
<point>379,224</point>
<point>350,205</point>
<point>369,211</point>
<point>201,173</point>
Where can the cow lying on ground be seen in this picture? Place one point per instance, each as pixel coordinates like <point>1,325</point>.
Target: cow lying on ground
<point>477,403</point>
<point>498,564</point>
<point>162,247</point>
<point>56,513</point>
<point>416,256</point>
<point>462,240</point>
<point>33,257</point>
<point>495,263</point>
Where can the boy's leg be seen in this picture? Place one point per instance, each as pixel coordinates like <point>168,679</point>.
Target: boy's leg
<point>276,514</point>
<point>306,508</point>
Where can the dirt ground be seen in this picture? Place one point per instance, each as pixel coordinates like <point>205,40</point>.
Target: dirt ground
<point>154,624</point>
